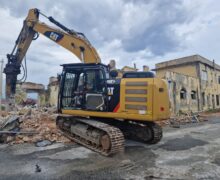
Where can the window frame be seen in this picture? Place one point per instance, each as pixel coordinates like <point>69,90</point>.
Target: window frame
<point>183,94</point>
<point>193,95</point>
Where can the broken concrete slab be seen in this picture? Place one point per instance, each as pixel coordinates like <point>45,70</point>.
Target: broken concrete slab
<point>10,124</point>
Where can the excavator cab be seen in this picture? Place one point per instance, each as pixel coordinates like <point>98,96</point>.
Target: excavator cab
<point>84,87</point>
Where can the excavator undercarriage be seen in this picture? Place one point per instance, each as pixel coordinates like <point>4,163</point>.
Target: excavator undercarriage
<point>95,135</point>
<point>107,136</point>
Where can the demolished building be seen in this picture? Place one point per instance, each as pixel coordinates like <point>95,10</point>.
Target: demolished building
<point>193,82</point>
<point>22,89</point>
<point>47,96</point>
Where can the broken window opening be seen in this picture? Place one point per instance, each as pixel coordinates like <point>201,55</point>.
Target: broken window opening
<point>183,93</point>
<point>217,100</point>
<point>203,99</point>
<point>193,94</point>
<point>32,95</point>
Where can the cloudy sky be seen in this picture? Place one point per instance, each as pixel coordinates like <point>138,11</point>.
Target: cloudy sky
<point>144,32</point>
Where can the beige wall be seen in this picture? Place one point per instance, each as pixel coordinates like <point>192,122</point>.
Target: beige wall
<point>177,82</point>
<point>210,88</point>
<point>190,78</point>
<point>189,70</point>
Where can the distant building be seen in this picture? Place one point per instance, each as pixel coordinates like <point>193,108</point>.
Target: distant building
<point>125,69</point>
<point>112,66</point>
<point>193,82</point>
<point>128,68</point>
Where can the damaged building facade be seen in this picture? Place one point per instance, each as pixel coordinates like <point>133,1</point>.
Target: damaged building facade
<point>193,82</point>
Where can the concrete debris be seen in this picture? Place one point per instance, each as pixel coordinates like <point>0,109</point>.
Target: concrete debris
<point>43,143</point>
<point>182,119</point>
<point>29,101</point>
<point>9,123</point>
<point>3,114</point>
<point>25,112</point>
<point>31,125</point>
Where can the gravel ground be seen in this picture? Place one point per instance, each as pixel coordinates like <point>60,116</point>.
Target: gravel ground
<point>189,152</point>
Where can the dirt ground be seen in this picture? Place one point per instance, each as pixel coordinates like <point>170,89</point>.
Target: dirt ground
<point>189,152</point>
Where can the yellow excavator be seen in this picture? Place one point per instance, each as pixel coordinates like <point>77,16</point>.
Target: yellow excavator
<point>96,109</point>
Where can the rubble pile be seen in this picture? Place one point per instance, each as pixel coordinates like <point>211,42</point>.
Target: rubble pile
<point>38,125</point>
<point>3,114</point>
<point>183,118</point>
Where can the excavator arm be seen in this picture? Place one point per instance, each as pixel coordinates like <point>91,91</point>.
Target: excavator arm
<point>71,40</point>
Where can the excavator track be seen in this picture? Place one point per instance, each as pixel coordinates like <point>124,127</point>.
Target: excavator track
<point>146,132</point>
<point>157,134</point>
<point>95,135</point>
<point>149,132</point>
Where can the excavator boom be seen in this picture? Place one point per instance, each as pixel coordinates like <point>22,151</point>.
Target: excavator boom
<point>73,41</point>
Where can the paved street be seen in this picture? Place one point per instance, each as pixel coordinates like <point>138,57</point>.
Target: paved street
<point>189,152</point>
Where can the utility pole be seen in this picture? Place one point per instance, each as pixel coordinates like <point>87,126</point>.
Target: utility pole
<point>1,69</point>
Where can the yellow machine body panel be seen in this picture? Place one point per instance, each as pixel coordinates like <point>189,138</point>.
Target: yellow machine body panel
<point>141,99</point>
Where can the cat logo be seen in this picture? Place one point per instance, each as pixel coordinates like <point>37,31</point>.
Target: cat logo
<point>55,36</point>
